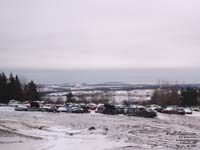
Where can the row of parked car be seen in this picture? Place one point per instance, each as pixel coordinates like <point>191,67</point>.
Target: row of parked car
<point>131,110</point>
<point>145,111</point>
<point>68,107</point>
<point>174,109</point>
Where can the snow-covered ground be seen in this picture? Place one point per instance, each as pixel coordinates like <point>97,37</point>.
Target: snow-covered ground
<point>114,92</point>
<point>119,96</point>
<point>65,131</point>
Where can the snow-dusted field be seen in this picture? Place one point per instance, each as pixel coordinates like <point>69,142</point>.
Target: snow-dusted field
<point>63,131</point>
<point>118,96</point>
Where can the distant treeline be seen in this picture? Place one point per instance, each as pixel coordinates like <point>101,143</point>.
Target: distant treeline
<point>11,88</point>
<point>171,95</point>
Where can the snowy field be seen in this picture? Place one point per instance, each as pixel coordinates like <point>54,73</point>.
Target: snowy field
<point>118,96</point>
<point>64,131</point>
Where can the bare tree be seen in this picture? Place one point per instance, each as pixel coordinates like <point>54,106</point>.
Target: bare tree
<point>166,94</point>
<point>23,81</point>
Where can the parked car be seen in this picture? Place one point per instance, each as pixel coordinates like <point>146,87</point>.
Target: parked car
<point>85,108</point>
<point>77,110</point>
<point>156,107</point>
<point>48,108</point>
<point>27,103</point>
<point>174,110</point>
<point>13,103</point>
<point>195,108</point>
<point>21,107</point>
<point>119,109</point>
<point>2,104</point>
<point>188,110</point>
<point>181,111</point>
<point>100,108</point>
<point>109,109</point>
<point>34,106</point>
<point>62,109</point>
<point>141,111</point>
<point>131,109</point>
<point>92,106</point>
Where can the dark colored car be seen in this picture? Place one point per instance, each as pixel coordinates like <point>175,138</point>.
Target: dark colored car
<point>34,105</point>
<point>109,109</point>
<point>119,110</point>
<point>141,112</point>
<point>85,109</point>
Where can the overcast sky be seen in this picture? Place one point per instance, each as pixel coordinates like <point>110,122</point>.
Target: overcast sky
<point>99,34</point>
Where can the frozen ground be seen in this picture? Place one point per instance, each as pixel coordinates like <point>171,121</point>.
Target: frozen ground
<point>119,96</point>
<point>53,131</point>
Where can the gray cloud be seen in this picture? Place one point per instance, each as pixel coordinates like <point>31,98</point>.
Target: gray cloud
<point>100,34</point>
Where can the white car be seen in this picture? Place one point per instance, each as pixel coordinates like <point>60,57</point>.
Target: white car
<point>188,110</point>
<point>21,107</point>
<point>13,103</point>
<point>62,109</point>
